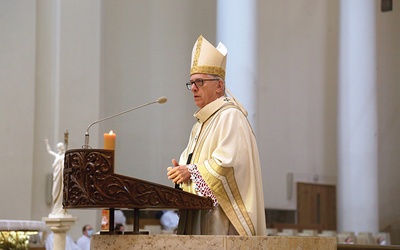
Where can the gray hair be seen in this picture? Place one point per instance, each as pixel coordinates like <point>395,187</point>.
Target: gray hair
<point>219,78</point>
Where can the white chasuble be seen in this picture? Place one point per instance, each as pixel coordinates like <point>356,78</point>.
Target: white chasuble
<point>226,154</point>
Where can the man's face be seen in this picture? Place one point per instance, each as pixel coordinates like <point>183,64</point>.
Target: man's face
<point>210,91</point>
<point>89,231</point>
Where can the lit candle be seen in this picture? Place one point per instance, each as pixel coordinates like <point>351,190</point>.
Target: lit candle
<point>109,140</point>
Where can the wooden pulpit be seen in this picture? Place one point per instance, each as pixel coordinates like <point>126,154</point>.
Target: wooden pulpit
<point>90,182</point>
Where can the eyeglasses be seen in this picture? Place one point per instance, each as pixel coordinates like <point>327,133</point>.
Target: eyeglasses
<point>198,83</point>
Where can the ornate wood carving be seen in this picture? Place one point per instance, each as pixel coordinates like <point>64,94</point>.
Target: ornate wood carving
<point>90,182</point>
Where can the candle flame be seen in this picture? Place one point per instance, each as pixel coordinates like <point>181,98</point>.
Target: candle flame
<point>111,132</point>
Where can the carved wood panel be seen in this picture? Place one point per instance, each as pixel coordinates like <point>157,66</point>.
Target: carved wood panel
<point>90,182</point>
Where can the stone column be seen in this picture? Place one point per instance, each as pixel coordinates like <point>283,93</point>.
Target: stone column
<point>236,28</point>
<point>60,227</point>
<point>357,196</point>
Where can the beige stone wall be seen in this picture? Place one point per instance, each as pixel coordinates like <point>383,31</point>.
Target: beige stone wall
<point>132,242</point>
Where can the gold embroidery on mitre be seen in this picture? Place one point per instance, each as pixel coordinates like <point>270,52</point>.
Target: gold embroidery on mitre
<point>207,59</point>
<point>197,53</point>
<point>208,70</point>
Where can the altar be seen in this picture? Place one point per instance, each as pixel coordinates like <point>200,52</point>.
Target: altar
<point>91,183</point>
<point>210,242</point>
<point>16,234</point>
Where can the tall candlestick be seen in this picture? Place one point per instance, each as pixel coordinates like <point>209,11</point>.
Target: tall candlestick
<point>109,140</point>
<point>66,139</point>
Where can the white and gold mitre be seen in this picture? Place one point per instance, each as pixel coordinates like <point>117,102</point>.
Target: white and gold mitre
<point>206,59</point>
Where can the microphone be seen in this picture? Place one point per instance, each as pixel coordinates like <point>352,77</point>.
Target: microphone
<point>160,100</point>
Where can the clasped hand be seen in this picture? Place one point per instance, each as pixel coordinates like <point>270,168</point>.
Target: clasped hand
<point>178,173</point>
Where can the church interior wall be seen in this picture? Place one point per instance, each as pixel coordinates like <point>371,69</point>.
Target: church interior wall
<point>17,76</point>
<point>388,89</point>
<point>111,56</point>
<point>297,94</point>
<point>67,91</point>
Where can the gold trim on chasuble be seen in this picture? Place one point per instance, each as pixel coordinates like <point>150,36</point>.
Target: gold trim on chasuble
<point>227,192</point>
<point>224,186</point>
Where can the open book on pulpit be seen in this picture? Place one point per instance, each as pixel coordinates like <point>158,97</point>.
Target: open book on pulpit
<point>90,182</point>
